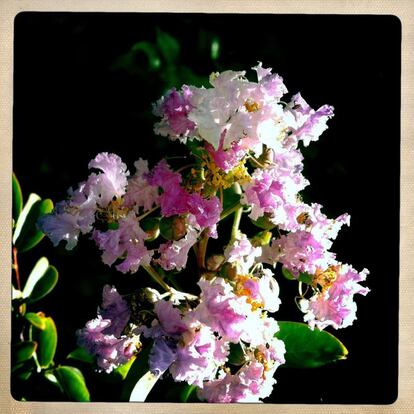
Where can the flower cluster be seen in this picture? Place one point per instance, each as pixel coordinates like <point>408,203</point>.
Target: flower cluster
<point>245,142</point>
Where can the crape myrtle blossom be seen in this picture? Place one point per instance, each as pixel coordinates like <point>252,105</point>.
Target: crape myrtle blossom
<point>245,142</point>
<point>77,214</point>
<point>103,337</point>
<point>233,106</point>
<point>334,305</point>
<point>187,347</point>
<point>175,200</point>
<point>128,239</point>
<point>140,194</point>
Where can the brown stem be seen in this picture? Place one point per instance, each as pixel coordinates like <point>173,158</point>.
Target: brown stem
<point>201,251</point>
<point>16,268</point>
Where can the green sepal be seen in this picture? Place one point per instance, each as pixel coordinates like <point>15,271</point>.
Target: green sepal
<point>302,277</point>
<point>307,348</point>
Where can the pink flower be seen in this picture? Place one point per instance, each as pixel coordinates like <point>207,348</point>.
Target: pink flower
<point>250,384</point>
<point>242,253</point>
<point>174,109</point>
<point>299,252</point>
<point>127,239</point>
<point>221,310</point>
<point>139,192</point>
<point>334,306</point>
<point>176,201</point>
<point>111,182</point>
<point>306,123</point>
<point>174,254</point>
<point>274,191</point>
<point>199,354</point>
<point>103,337</point>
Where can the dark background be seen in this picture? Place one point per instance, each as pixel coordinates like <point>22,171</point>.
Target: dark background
<point>79,89</point>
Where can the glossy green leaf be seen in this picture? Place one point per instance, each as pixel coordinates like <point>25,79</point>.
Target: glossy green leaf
<point>17,198</point>
<point>23,351</point>
<point>23,370</point>
<point>36,320</point>
<point>122,370</point>
<point>73,383</point>
<point>26,234</point>
<point>41,281</point>
<point>189,393</point>
<point>45,285</point>
<point>168,46</point>
<point>309,349</point>
<point>80,354</point>
<point>137,370</point>
<point>47,342</point>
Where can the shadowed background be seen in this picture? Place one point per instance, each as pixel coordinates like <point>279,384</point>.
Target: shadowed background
<point>84,83</point>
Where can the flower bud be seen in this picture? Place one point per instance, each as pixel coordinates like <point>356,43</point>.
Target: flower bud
<point>173,228</point>
<point>228,271</point>
<point>214,262</point>
<point>151,226</point>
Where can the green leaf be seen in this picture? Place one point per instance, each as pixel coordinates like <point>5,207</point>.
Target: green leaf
<point>23,351</point>
<point>36,320</point>
<point>80,354</point>
<point>137,370</point>
<point>264,223</point>
<point>41,281</point>
<point>148,48</point>
<point>168,46</point>
<point>26,234</point>
<point>122,370</point>
<point>45,285</point>
<point>47,342</point>
<point>73,383</point>
<point>215,48</point>
<point>189,393</point>
<point>17,198</point>
<point>309,349</point>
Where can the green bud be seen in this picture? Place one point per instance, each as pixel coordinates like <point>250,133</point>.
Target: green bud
<point>151,226</point>
<point>261,239</point>
<point>173,228</point>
